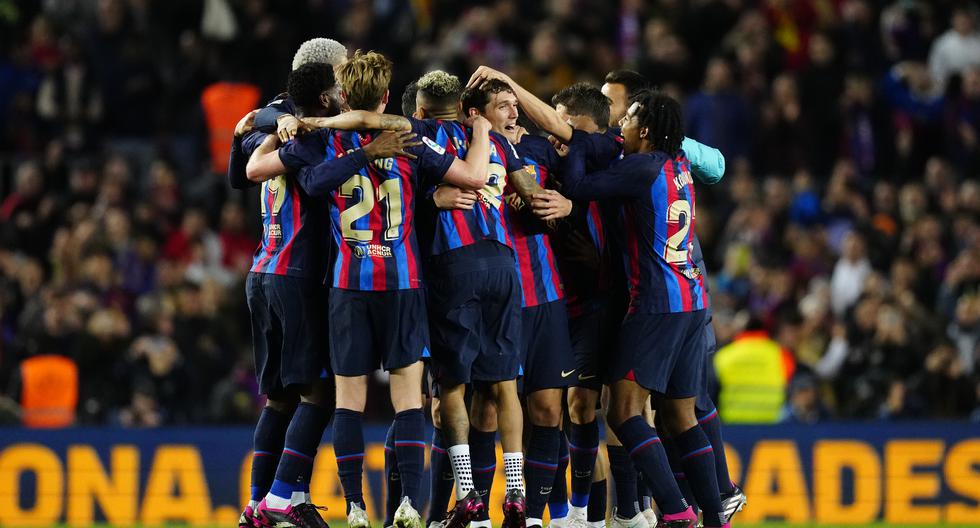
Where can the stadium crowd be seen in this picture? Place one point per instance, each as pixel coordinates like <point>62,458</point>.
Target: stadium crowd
<point>848,223</point>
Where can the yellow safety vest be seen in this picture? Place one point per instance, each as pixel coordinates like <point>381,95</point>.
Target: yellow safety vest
<point>752,377</point>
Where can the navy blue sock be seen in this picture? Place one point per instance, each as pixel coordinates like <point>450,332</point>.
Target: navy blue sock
<point>393,480</point>
<point>302,440</point>
<point>558,501</point>
<point>624,478</point>
<point>440,479</point>
<point>348,446</point>
<point>597,502</point>
<point>269,438</point>
<point>678,469</point>
<point>698,459</point>
<point>583,445</point>
<point>710,423</point>
<point>540,465</point>
<point>642,491</point>
<point>648,453</point>
<point>483,456</point>
<point>410,452</point>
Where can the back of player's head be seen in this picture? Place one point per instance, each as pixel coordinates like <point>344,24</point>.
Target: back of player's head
<point>661,115</point>
<point>633,81</point>
<point>364,79</point>
<point>321,50</point>
<point>440,91</point>
<point>408,99</point>
<point>307,83</point>
<point>584,99</point>
<point>479,96</point>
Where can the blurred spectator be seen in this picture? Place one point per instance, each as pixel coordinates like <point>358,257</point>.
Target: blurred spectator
<point>803,402</point>
<point>847,227</point>
<point>753,372</point>
<point>957,48</point>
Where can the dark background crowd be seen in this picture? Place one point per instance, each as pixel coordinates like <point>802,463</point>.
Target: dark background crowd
<point>848,222</point>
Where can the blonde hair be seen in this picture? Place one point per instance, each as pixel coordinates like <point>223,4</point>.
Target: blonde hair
<point>364,79</point>
<point>320,50</point>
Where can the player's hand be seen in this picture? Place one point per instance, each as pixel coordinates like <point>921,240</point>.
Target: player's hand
<point>389,144</point>
<point>551,205</point>
<point>452,197</point>
<point>560,148</point>
<point>288,127</point>
<point>484,74</point>
<point>246,124</point>
<point>479,124</point>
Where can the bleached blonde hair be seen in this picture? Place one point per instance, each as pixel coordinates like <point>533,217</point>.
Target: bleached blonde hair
<point>320,50</point>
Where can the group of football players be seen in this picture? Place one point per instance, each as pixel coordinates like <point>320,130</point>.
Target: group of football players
<point>521,281</point>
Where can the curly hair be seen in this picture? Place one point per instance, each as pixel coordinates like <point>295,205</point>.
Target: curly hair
<point>586,100</point>
<point>440,89</point>
<point>321,50</point>
<point>306,83</point>
<point>663,119</point>
<point>364,79</point>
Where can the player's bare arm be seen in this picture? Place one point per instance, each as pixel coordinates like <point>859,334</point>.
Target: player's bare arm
<point>537,110</point>
<point>471,173</point>
<point>265,163</point>
<point>360,120</point>
<point>452,197</point>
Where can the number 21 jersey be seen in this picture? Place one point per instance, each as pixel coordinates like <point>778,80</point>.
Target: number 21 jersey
<point>372,213</point>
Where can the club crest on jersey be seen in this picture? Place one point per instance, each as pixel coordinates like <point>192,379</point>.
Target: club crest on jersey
<point>433,145</point>
<point>371,251</point>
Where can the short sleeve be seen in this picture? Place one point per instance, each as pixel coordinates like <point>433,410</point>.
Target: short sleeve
<point>512,162</point>
<point>305,150</point>
<point>433,161</point>
<point>252,140</point>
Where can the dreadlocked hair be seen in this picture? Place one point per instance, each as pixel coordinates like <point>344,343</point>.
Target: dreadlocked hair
<point>661,115</point>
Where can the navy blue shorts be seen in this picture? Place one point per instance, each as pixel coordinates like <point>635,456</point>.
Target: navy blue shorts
<point>288,330</point>
<point>548,359</point>
<point>377,329</point>
<point>704,402</point>
<point>475,314</point>
<point>663,353</point>
<point>594,338</point>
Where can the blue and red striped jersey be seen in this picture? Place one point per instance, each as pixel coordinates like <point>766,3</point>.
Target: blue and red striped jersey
<point>537,267</point>
<point>458,228</point>
<point>292,226</point>
<point>655,227</point>
<point>372,213</point>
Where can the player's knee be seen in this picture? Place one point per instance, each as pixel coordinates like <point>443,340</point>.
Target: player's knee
<point>677,418</point>
<point>581,408</point>
<point>283,403</point>
<point>544,408</point>
<point>352,393</point>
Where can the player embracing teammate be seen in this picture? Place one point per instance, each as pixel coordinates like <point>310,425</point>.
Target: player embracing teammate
<point>464,238</point>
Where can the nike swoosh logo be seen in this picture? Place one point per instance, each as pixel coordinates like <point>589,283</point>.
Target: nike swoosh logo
<point>567,374</point>
<point>583,378</point>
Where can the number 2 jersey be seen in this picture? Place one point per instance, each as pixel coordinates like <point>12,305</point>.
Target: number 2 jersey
<point>655,226</point>
<point>372,213</point>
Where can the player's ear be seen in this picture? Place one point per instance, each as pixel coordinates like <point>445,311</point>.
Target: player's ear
<point>644,132</point>
<point>472,112</point>
<point>384,98</point>
<point>419,113</point>
<point>343,98</point>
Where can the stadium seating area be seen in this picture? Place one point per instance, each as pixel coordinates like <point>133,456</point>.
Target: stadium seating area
<point>848,222</point>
